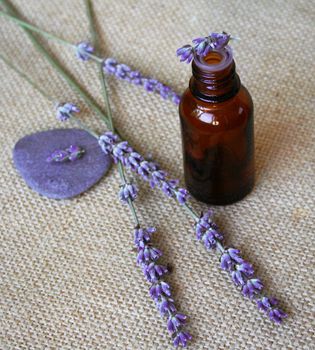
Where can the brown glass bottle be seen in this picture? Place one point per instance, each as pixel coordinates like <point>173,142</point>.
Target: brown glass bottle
<point>216,114</point>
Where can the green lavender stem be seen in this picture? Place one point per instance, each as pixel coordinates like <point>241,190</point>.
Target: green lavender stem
<point>94,36</point>
<point>30,27</point>
<point>25,77</point>
<point>54,63</point>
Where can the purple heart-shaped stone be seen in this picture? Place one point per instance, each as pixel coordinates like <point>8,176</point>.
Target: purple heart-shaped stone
<point>64,179</point>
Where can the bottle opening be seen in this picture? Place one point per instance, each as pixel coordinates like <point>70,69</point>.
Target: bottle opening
<point>213,58</point>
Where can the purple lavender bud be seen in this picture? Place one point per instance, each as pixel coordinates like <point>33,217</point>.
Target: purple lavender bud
<point>135,78</point>
<point>181,339</point>
<point>266,303</point>
<point>107,141</point>
<point>252,287</point>
<point>175,321</point>
<point>277,315</point>
<point>150,84</point>
<point>110,65</point>
<point>157,177</point>
<point>186,53</point>
<point>133,161</point>
<point>144,170</point>
<point>165,305</point>
<point>165,91</point>
<point>120,150</point>
<point>201,45</point>
<point>128,192</point>
<point>83,50</point>
<point>75,152</point>
<point>65,111</point>
<point>237,278</point>
<point>226,262</point>
<point>234,254</point>
<point>159,289</point>
<point>209,239</point>
<point>143,235</point>
<point>153,272</point>
<point>168,188</point>
<point>219,40</point>
<point>176,99</point>
<point>246,268</point>
<point>122,71</point>
<point>148,254</point>
<point>58,156</point>
<point>204,223</point>
<point>181,195</point>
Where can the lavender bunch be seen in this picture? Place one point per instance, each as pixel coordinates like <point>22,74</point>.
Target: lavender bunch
<point>203,45</point>
<point>207,232</point>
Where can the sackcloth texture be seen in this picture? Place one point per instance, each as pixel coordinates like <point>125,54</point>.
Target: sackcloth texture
<point>68,274</point>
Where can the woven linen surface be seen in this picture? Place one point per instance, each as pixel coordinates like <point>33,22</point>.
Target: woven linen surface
<point>68,274</point>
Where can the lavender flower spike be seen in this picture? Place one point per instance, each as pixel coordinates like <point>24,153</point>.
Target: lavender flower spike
<point>202,46</point>
<point>160,291</point>
<point>240,270</point>
<point>64,111</point>
<point>124,72</point>
<point>149,171</point>
<point>83,50</point>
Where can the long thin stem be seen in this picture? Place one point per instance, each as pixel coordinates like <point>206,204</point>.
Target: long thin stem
<point>38,30</point>
<point>57,66</point>
<point>78,122</point>
<point>24,76</point>
<point>73,119</point>
<point>35,29</point>
<point>94,36</point>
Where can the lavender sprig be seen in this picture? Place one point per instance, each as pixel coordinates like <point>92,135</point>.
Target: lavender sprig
<point>124,72</point>
<point>66,110</point>
<point>147,257</point>
<point>203,45</point>
<point>71,153</point>
<point>207,232</point>
<point>85,51</point>
<point>241,271</point>
<point>149,171</point>
<point>160,292</point>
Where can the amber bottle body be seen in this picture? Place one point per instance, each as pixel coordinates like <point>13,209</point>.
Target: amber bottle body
<point>216,114</point>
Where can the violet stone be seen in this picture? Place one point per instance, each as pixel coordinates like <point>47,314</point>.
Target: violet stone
<point>65,179</point>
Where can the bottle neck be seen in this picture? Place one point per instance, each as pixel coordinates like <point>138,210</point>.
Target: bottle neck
<point>214,77</point>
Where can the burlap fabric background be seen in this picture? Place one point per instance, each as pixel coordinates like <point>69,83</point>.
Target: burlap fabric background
<point>68,273</point>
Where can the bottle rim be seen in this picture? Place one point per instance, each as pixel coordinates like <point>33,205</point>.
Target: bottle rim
<point>226,59</point>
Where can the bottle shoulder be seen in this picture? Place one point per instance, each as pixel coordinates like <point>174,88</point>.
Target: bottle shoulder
<point>227,114</point>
